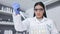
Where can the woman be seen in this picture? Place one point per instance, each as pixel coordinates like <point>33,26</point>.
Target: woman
<point>39,24</point>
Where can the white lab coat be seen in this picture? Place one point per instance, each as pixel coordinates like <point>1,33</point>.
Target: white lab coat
<point>34,26</point>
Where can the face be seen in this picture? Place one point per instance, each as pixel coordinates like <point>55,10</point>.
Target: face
<point>38,10</point>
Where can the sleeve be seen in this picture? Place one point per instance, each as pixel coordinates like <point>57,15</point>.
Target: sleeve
<point>18,24</point>
<point>53,28</point>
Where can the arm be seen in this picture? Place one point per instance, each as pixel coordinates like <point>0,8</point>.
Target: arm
<point>54,30</point>
<point>18,24</point>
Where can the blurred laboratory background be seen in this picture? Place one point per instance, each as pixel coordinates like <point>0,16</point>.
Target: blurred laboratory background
<point>6,20</point>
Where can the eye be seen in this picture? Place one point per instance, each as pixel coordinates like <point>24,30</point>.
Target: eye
<point>35,9</point>
<point>39,9</point>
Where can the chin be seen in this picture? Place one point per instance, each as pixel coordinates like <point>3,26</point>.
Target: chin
<point>39,16</point>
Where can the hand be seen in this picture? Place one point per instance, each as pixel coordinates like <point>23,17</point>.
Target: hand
<point>17,11</point>
<point>16,8</point>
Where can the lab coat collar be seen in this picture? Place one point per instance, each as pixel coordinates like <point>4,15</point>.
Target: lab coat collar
<point>43,20</point>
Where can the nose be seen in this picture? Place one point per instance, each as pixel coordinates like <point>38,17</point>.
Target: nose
<point>38,11</point>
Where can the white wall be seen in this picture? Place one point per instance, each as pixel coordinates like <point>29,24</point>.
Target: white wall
<point>54,13</point>
<point>29,12</point>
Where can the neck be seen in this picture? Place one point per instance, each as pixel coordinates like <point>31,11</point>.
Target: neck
<point>39,18</point>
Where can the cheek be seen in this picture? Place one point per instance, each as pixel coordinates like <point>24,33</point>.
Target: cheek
<point>39,13</point>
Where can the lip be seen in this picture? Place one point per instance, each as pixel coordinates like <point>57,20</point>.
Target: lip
<point>38,14</point>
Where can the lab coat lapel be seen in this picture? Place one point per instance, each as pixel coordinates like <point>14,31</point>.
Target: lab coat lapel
<point>43,20</point>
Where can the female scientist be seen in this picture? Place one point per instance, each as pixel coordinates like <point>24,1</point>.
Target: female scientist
<point>39,24</point>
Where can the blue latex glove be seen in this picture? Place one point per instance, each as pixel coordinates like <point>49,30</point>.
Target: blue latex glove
<point>17,12</point>
<point>16,7</point>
